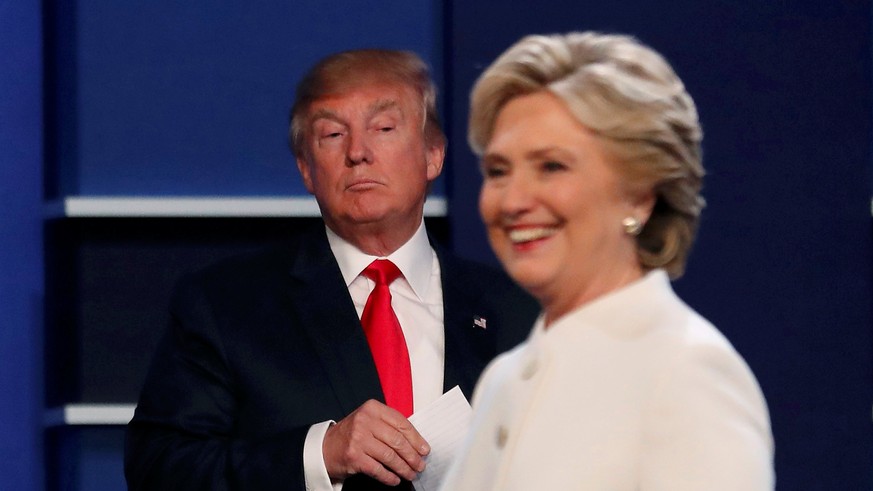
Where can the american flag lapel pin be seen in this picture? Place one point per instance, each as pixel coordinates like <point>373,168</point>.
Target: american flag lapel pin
<point>479,321</point>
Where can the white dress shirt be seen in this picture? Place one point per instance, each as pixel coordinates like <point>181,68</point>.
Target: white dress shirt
<point>417,299</point>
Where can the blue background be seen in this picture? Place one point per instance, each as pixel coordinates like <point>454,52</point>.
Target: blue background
<point>166,99</point>
<point>192,98</point>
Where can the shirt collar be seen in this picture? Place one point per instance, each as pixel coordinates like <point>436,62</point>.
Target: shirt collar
<point>414,259</point>
<point>628,309</point>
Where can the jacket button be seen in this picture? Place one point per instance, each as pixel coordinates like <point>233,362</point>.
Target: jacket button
<point>502,435</point>
<point>530,369</point>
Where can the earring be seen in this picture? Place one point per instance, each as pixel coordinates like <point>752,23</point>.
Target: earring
<point>632,226</point>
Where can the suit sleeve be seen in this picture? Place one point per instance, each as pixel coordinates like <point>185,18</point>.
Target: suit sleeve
<point>708,428</point>
<point>182,434</point>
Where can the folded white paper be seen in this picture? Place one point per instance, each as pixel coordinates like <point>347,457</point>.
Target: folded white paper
<point>444,425</point>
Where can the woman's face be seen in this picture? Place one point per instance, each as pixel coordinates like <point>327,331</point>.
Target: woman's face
<point>553,202</point>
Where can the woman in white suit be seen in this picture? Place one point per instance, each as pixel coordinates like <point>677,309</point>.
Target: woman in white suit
<point>590,151</point>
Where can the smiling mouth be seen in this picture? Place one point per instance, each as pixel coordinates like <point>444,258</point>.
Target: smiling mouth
<point>530,234</point>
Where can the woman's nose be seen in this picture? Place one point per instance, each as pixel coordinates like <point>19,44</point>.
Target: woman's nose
<point>518,195</point>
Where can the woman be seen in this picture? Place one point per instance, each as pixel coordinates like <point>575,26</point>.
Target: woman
<point>590,150</point>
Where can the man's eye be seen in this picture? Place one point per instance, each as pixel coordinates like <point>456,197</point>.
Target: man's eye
<point>335,134</point>
<point>386,129</point>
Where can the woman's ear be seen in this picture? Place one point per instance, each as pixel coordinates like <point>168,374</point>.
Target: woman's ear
<point>643,202</point>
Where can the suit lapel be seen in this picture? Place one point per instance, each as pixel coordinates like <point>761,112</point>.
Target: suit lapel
<point>329,318</point>
<point>466,346</point>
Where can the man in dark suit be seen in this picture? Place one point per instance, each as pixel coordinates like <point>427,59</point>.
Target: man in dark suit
<point>265,379</point>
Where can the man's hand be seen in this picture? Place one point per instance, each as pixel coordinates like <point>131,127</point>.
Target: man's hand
<point>375,440</point>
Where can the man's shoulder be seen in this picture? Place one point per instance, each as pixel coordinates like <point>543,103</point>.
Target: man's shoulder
<point>474,279</point>
<point>494,297</point>
<point>237,278</point>
<point>262,266</point>
<point>473,273</point>
<point>263,261</point>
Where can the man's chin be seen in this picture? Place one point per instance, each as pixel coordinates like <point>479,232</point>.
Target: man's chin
<point>376,212</point>
<point>369,216</point>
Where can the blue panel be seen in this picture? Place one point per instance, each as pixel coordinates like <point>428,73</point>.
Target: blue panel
<point>102,459</point>
<point>192,98</point>
<point>20,246</point>
<point>86,458</point>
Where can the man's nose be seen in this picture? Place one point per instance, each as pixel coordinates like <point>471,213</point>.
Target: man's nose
<point>359,151</point>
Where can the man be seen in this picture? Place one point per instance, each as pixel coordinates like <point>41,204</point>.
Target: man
<point>266,379</point>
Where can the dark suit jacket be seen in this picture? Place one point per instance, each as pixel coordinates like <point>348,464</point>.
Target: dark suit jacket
<point>263,346</point>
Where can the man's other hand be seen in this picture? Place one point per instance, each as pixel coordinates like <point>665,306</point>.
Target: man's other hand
<point>375,440</point>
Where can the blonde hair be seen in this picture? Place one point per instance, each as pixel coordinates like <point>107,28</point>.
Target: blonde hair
<point>628,95</point>
<point>350,69</point>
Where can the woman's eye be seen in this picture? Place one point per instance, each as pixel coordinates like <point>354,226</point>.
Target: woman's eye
<point>553,166</point>
<point>493,171</point>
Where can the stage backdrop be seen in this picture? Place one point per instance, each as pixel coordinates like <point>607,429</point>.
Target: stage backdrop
<point>21,270</point>
<point>166,100</point>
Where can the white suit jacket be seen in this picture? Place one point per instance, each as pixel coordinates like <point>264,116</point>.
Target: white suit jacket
<point>633,391</point>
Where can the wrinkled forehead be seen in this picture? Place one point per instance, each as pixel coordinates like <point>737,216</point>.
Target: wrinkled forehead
<point>366,97</point>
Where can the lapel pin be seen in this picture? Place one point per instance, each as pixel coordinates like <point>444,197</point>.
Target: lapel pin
<point>479,322</point>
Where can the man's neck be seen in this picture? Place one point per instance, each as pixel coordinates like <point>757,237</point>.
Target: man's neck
<point>377,239</point>
<point>414,258</point>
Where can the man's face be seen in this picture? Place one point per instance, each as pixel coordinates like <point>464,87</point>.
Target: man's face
<point>366,160</point>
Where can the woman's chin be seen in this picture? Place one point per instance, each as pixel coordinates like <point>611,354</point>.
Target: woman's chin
<point>531,280</point>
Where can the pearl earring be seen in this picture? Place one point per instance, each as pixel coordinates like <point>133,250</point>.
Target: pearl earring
<point>632,226</point>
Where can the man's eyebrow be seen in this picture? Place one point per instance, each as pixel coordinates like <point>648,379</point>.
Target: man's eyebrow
<point>383,105</point>
<point>323,113</point>
<point>376,107</point>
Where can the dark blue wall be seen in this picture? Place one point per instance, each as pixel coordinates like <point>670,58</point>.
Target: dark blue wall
<point>192,98</point>
<point>21,277</point>
<point>782,263</point>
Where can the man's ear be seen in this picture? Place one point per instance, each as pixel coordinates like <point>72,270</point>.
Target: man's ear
<point>303,167</point>
<point>435,156</point>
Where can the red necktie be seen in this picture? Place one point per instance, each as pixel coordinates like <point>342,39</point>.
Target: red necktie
<point>386,338</point>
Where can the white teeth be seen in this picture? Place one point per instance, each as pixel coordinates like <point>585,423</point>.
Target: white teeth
<point>529,234</point>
